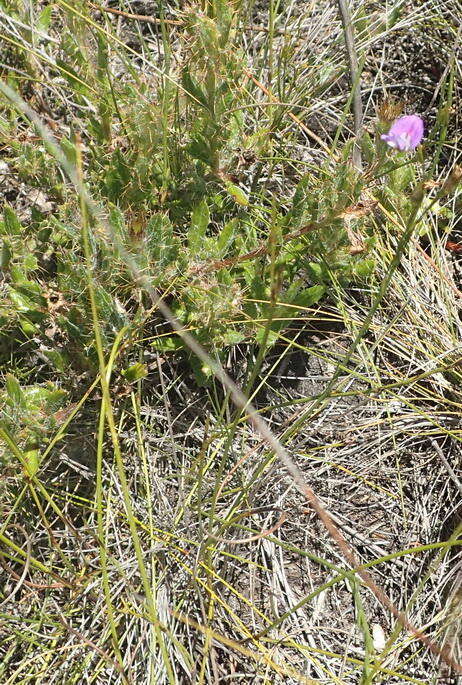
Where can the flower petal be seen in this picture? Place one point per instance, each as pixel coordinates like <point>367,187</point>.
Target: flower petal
<point>406,133</point>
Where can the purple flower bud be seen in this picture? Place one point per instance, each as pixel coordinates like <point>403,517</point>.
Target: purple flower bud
<point>406,133</point>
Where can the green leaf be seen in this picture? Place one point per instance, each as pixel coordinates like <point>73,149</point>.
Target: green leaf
<point>200,219</point>
<point>271,337</point>
<point>200,149</point>
<point>202,372</point>
<point>301,201</point>
<point>310,296</point>
<point>232,337</point>
<point>118,175</point>
<point>168,344</point>
<point>163,246</point>
<point>103,56</point>
<point>135,372</point>
<point>364,268</point>
<point>77,81</point>
<point>207,31</point>
<point>193,89</point>
<point>43,398</point>
<point>18,275</point>
<point>117,221</point>
<point>30,262</point>
<point>13,390</point>
<point>317,272</point>
<point>43,21</point>
<point>21,302</point>
<point>223,20</point>
<point>32,462</point>
<point>284,314</point>
<point>237,194</point>
<point>32,291</point>
<point>226,235</point>
<point>29,329</point>
<point>258,287</point>
<point>11,222</point>
<point>5,255</point>
<point>59,361</point>
<point>69,150</point>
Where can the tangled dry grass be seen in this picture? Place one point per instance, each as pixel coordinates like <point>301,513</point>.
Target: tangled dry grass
<point>182,551</point>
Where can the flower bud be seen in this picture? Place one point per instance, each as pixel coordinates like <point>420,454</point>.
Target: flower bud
<point>389,110</point>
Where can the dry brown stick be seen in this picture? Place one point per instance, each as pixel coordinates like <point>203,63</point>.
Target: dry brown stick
<point>28,583</point>
<point>257,252</point>
<point>139,17</point>
<point>447,466</point>
<point>361,209</point>
<point>173,22</point>
<point>21,579</point>
<point>440,273</point>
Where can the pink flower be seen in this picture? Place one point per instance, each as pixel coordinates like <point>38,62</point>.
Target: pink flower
<point>406,133</point>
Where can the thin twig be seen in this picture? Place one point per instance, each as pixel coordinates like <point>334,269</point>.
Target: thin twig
<point>253,254</point>
<point>173,22</point>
